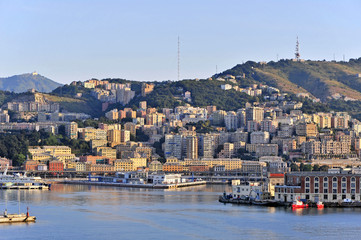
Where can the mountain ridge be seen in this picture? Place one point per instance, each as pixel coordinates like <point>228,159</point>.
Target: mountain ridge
<point>24,82</point>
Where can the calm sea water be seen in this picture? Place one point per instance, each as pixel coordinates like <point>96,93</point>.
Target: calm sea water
<point>88,212</point>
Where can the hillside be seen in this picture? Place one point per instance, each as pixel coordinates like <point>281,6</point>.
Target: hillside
<point>24,82</point>
<point>321,79</point>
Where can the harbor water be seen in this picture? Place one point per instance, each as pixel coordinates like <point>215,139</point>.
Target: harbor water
<point>94,212</point>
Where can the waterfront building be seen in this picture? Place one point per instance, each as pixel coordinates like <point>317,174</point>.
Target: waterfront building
<point>56,166</point>
<point>30,165</point>
<point>82,167</point>
<point>124,165</point>
<point>155,166</point>
<point>332,186</point>
<point>95,159</point>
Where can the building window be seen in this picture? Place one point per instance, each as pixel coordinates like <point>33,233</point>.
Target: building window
<point>325,197</point>
<point>353,179</point>
<point>316,185</point>
<point>334,190</point>
<point>353,185</point>
<point>307,190</point>
<point>307,185</point>
<point>325,179</point>
<point>343,185</point>
<point>316,190</point>
<point>316,179</point>
<point>325,190</point>
<point>353,197</point>
<point>334,179</point>
<point>343,179</point>
<point>343,196</point>
<point>325,185</point>
<point>334,197</point>
<point>307,179</point>
<point>307,196</point>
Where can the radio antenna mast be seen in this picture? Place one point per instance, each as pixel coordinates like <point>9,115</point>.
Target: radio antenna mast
<point>178,58</point>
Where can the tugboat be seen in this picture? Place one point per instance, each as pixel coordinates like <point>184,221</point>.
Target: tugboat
<point>320,205</point>
<point>299,204</point>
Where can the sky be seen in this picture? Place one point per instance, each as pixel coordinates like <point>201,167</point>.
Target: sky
<point>75,40</point>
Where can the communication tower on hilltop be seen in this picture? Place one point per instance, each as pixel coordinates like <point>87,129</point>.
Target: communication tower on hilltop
<point>297,53</point>
<point>178,58</point>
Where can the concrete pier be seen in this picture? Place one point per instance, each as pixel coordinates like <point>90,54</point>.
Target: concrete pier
<point>129,185</point>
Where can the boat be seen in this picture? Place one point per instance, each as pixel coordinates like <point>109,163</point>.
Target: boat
<point>320,205</point>
<point>16,218</point>
<point>299,204</point>
<point>17,181</point>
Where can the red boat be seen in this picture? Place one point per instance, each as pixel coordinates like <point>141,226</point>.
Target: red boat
<point>320,204</point>
<point>299,204</point>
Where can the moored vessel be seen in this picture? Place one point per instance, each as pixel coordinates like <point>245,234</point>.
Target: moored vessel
<point>16,218</point>
<point>299,204</point>
<point>17,181</point>
<point>320,205</point>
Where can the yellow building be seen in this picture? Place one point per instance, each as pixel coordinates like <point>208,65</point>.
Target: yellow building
<point>106,152</point>
<point>82,167</point>
<point>114,137</point>
<point>139,162</point>
<point>123,165</point>
<point>229,163</point>
<point>155,166</point>
<point>48,153</point>
<point>90,133</point>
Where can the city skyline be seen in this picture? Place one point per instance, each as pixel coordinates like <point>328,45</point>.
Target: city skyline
<point>71,41</point>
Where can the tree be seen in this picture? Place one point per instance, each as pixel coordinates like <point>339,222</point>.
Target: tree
<point>316,167</point>
<point>294,167</point>
<point>18,159</point>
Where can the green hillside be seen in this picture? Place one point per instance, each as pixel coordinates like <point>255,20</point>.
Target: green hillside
<point>321,79</point>
<point>24,82</point>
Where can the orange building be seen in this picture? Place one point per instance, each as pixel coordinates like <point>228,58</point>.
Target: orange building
<point>172,167</point>
<point>96,159</point>
<point>30,165</point>
<point>56,166</point>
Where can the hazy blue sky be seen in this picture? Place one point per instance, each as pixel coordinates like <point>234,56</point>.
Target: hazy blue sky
<point>70,40</point>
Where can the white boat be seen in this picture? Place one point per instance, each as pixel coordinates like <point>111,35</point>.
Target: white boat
<point>17,181</point>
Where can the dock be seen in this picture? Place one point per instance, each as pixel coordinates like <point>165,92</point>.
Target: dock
<point>23,187</point>
<point>273,203</point>
<point>130,185</point>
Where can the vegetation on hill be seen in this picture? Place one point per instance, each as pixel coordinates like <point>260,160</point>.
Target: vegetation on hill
<point>203,93</point>
<point>24,82</point>
<point>66,97</point>
<point>15,146</point>
<point>321,79</point>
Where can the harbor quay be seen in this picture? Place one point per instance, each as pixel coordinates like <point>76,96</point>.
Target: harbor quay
<point>130,185</point>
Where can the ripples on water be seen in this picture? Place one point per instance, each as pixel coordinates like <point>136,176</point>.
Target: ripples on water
<point>88,212</point>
